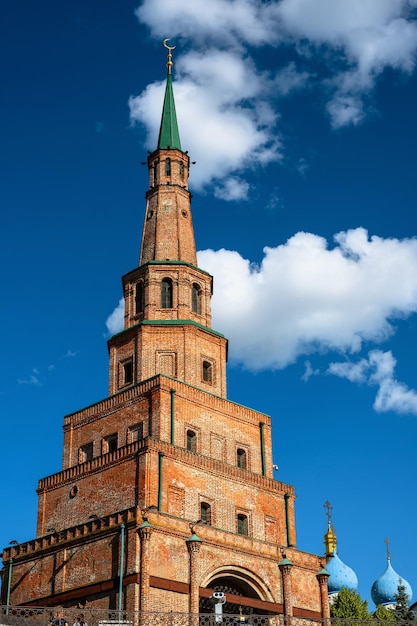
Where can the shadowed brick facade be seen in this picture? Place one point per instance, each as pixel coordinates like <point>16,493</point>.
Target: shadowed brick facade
<point>166,463</point>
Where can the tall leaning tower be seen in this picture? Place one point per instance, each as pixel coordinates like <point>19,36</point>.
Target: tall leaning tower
<point>166,492</point>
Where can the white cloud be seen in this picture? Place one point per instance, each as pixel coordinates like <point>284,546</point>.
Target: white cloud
<point>33,379</point>
<point>309,371</point>
<point>354,372</point>
<point>69,354</point>
<point>220,21</point>
<point>232,188</point>
<point>306,297</point>
<point>345,110</point>
<point>289,78</point>
<point>115,320</point>
<point>354,40</point>
<point>378,369</point>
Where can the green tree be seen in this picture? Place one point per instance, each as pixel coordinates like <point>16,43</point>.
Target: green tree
<point>349,604</point>
<point>402,611</point>
<point>382,614</point>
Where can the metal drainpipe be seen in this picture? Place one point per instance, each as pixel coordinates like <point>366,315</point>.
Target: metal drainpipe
<point>262,427</point>
<point>122,559</point>
<point>9,584</point>
<point>160,457</point>
<point>287,518</point>
<point>172,416</point>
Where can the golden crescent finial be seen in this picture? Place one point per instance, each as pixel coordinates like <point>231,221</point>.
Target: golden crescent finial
<point>169,48</point>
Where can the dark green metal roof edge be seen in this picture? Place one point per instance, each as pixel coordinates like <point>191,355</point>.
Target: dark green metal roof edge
<point>169,136</point>
<point>152,262</point>
<point>210,393</point>
<point>169,323</point>
<point>180,323</point>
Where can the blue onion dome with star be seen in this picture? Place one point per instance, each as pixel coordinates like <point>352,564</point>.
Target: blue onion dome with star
<point>340,575</point>
<point>385,587</point>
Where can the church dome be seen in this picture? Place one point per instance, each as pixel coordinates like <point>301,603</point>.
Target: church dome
<point>340,575</point>
<point>386,586</point>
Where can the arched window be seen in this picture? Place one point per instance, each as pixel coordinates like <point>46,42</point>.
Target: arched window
<point>207,372</point>
<point>168,167</point>
<point>242,524</point>
<point>241,458</point>
<point>191,441</point>
<point>139,298</point>
<point>181,170</point>
<point>196,298</point>
<point>205,512</point>
<point>166,294</point>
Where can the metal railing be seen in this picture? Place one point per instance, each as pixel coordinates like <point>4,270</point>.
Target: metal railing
<point>45,616</point>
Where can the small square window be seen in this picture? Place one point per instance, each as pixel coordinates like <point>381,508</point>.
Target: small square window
<point>135,433</point>
<point>110,443</point>
<point>242,525</point>
<point>86,452</point>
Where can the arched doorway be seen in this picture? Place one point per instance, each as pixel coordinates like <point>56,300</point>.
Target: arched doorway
<point>239,587</point>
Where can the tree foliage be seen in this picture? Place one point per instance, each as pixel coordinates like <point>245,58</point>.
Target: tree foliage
<point>382,614</point>
<point>349,604</point>
<point>402,611</point>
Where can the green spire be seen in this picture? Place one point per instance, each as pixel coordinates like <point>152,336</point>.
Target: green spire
<point>169,136</point>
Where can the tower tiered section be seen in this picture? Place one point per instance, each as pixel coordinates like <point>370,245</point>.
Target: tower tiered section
<point>185,473</point>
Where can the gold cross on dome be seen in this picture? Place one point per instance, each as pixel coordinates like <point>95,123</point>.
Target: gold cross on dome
<point>388,550</point>
<point>329,510</point>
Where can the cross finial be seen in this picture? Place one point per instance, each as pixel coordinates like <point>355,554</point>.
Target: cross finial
<point>329,510</point>
<point>169,48</point>
<point>388,550</point>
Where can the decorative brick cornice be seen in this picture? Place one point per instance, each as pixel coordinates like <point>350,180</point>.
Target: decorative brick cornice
<point>70,536</point>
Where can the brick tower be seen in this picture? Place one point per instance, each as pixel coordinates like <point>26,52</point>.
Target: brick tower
<point>166,492</point>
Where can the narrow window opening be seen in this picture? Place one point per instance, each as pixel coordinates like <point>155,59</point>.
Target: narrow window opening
<point>128,372</point>
<point>205,513</point>
<point>207,372</point>
<point>196,299</point>
<point>139,298</point>
<point>242,525</point>
<point>168,167</point>
<point>166,293</point>
<point>241,458</point>
<point>182,170</point>
<point>191,441</point>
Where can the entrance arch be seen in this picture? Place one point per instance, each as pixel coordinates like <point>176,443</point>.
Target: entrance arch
<point>240,586</point>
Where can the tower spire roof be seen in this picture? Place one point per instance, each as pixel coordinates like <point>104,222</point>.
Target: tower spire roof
<point>169,136</point>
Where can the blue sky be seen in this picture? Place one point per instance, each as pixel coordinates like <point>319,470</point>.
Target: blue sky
<point>301,120</point>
